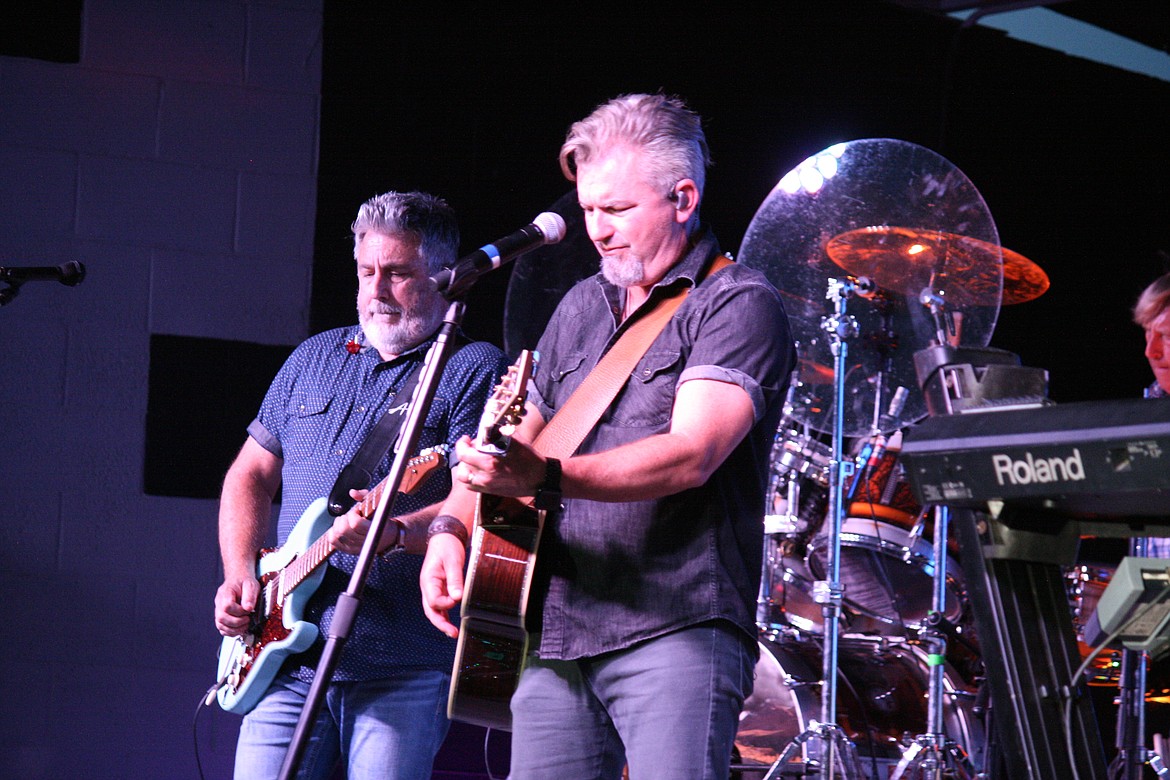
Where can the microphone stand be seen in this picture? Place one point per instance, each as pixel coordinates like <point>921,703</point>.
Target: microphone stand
<point>1132,755</point>
<point>69,274</point>
<point>349,601</point>
<point>825,735</point>
<point>933,753</point>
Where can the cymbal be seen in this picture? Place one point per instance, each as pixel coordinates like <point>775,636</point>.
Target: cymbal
<point>907,260</point>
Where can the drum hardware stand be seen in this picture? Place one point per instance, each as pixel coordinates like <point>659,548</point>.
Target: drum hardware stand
<point>1132,754</point>
<point>829,745</point>
<point>777,525</point>
<point>932,753</point>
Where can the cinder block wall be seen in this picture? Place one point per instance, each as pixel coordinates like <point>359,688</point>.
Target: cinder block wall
<point>177,160</point>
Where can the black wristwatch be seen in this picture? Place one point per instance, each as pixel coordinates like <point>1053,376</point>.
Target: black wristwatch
<point>548,494</point>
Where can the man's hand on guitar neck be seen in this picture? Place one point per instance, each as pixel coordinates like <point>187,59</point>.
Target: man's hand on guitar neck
<point>517,473</point>
<point>349,531</point>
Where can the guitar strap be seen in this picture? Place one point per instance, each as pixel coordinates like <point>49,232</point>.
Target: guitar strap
<point>359,472</point>
<point>569,426</point>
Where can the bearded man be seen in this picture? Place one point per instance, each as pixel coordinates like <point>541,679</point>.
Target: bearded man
<point>384,713</point>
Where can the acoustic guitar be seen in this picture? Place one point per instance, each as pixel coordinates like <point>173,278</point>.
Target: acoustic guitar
<point>492,640</point>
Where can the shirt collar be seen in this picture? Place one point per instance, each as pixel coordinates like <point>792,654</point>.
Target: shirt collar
<point>702,249</point>
<point>367,351</point>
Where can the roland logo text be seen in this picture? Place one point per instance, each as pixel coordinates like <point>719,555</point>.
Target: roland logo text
<point>1031,469</point>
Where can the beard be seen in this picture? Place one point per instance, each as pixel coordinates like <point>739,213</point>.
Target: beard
<point>411,329</point>
<point>625,271</point>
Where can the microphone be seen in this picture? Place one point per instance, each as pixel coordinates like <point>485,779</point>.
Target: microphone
<point>891,417</point>
<point>70,274</point>
<point>547,228</point>
<point>898,402</point>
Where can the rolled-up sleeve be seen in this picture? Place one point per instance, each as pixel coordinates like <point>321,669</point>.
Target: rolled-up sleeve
<point>727,344</point>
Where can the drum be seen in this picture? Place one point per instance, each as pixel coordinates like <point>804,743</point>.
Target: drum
<point>798,486</point>
<point>786,588</point>
<point>881,701</point>
<point>797,497</point>
<point>887,567</point>
<point>888,575</point>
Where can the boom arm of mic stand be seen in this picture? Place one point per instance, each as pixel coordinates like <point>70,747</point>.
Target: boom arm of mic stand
<point>349,601</point>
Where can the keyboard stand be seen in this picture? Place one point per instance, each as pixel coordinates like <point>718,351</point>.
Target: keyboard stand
<point>1018,597</point>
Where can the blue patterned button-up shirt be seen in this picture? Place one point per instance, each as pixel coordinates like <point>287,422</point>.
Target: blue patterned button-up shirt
<point>316,414</point>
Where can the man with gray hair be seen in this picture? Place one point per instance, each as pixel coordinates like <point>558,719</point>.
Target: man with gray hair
<point>384,713</point>
<point>641,615</point>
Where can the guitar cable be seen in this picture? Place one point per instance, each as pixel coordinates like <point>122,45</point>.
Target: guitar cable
<point>204,702</point>
<point>487,762</point>
<point>214,689</point>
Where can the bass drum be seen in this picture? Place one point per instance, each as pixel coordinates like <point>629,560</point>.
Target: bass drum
<point>881,702</point>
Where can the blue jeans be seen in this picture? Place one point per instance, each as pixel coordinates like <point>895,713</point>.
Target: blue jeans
<point>383,729</point>
<point>667,707</point>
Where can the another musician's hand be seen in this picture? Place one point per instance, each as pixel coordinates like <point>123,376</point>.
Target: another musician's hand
<point>516,473</point>
<point>348,533</point>
<point>441,580</point>
<point>235,600</point>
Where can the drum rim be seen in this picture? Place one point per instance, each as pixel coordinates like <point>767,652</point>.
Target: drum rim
<point>878,541</point>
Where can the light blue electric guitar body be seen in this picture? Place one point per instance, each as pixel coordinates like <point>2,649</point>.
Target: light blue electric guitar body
<point>288,578</point>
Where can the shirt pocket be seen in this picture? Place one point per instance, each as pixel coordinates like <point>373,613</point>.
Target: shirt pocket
<point>306,432</point>
<point>648,399</point>
<point>565,379</point>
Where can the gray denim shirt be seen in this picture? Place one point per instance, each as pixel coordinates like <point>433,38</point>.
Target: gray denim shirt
<point>609,575</point>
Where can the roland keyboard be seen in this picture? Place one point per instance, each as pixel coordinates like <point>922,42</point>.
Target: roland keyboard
<point>1093,458</point>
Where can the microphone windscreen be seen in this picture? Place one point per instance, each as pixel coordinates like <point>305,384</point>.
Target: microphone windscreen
<point>72,273</point>
<point>551,226</point>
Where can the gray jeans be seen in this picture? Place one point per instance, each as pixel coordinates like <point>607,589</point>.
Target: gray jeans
<point>667,707</point>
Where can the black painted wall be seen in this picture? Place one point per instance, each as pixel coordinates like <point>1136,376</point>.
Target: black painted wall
<point>472,103</point>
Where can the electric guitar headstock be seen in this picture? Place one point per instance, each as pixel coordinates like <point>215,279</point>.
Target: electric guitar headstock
<point>505,406</point>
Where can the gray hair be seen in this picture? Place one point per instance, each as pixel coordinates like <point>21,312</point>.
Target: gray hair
<point>415,214</point>
<point>1153,301</point>
<point>662,126</point>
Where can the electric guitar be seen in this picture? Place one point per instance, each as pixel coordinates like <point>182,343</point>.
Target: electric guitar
<point>492,640</point>
<point>288,577</point>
